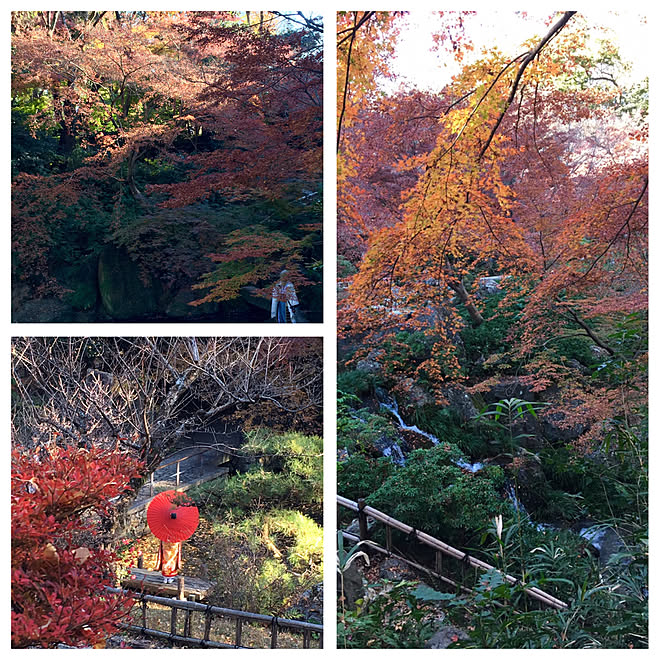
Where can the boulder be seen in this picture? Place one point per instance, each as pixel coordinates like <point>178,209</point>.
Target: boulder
<point>460,402</point>
<point>413,395</point>
<point>444,636</point>
<point>396,570</point>
<point>509,388</point>
<point>353,586</point>
<point>369,364</point>
<point>43,310</point>
<point>489,286</point>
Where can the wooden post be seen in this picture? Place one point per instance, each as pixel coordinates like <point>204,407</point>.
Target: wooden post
<point>173,621</point>
<point>144,613</point>
<point>178,473</point>
<point>307,636</point>
<point>140,561</point>
<point>388,539</point>
<point>207,625</point>
<point>362,519</point>
<point>239,631</point>
<point>438,562</point>
<point>186,621</point>
<point>273,634</point>
<point>181,588</point>
<point>151,485</point>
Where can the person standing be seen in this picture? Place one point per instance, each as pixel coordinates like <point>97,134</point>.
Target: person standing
<point>169,560</point>
<point>284,299</point>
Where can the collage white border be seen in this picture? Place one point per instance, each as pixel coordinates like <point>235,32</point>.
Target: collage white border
<point>327,330</point>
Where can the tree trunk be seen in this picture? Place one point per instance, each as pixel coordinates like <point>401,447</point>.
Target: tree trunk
<point>475,315</point>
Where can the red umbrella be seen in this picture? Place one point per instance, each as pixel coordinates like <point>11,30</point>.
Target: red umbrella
<point>172,516</point>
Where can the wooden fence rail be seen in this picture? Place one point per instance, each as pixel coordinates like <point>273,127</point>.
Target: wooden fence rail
<point>210,611</point>
<point>177,474</point>
<point>441,549</point>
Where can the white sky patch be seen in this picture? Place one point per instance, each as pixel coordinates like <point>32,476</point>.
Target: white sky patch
<point>417,65</point>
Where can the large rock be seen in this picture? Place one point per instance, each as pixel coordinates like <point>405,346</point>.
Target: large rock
<point>369,364</point>
<point>460,402</point>
<point>509,388</point>
<point>396,570</point>
<point>444,636</point>
<point>126,292</point>
<point>353,586</point>
<point>42,310</point>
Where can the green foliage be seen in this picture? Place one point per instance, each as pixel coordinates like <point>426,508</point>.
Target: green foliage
<point>273,556</point>
<point>356,382</point>
<point>358,475</point>
<point>289,474</point>
<point>445,423</point>
<point>455,503</point>
<point>612,482</point>
<point>501,312</point>
<point>362,431</point>
<point>344,267</point>
<point>504,415</point>
<point>267,536</point>
<point>404,353</point>
<point>394,618</point>
<point>609,612</point>
<point>629,339</point>
<point>574,348</point>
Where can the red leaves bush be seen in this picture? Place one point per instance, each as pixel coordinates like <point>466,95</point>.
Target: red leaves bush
<point>57,584</point>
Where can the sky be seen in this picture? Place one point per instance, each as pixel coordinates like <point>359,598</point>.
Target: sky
<point>418,65</point>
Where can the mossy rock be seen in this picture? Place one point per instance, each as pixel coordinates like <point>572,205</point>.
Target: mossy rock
<point>126,292</point>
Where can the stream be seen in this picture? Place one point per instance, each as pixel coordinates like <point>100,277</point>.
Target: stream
<point>594,534</point>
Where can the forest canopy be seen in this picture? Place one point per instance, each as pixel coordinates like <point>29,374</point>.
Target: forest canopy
<point>150,150</point>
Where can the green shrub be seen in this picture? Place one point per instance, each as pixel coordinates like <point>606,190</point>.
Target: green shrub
<point>263,562</point>
<point>289,475</point>
<point>433,494</point>
<point>358,476</point>
<point>357,382</point>
<point>394,619</point>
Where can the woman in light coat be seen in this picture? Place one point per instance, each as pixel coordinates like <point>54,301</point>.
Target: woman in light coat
<point>284,299</point>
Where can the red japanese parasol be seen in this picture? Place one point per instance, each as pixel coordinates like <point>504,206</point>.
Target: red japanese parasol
<point>172,516</point>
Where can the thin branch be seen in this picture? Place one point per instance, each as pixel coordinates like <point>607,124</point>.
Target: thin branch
<point>529,58</point>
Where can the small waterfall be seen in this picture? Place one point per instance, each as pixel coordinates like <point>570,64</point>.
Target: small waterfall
<point>394,452</point>
<point>470,467</point>
<point>595,535</point>
<point>399,459</point>
<point>520,508</point>
<point>517,504</point>
<point>394,409</point>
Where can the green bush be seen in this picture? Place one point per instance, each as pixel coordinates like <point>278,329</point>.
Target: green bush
<point>266,560</point>
<point>433,494</point>
<point>361,431</point>
<point>357,383</point>
<point>358,476</point>
<point>394,619</point>
<point>289,474</point>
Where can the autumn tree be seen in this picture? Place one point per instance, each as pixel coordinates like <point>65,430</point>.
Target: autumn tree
<point>58,568</point>
<point>463,218</point>
<point>128,116</point>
